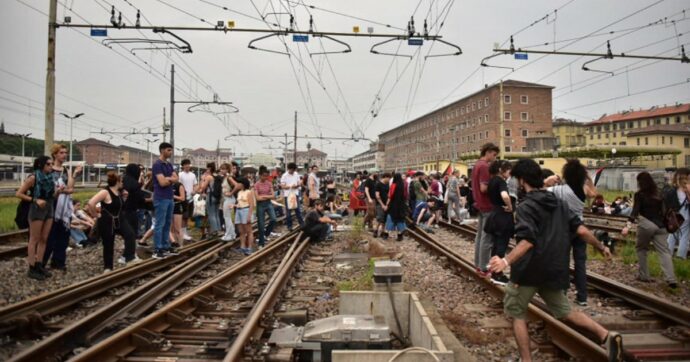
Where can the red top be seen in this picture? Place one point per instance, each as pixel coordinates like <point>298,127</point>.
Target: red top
<point>480,176</point>
<point>263,188</point>
<point>391,192</point>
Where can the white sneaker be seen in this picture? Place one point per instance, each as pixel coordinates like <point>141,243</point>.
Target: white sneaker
<point>275,235</point>
<point>68,249</point>
<point>135,260</point>
<point>187,237</point>
<point>106,271</point>
<point>121,260</point>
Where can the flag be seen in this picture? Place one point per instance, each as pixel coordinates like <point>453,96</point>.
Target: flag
<point>448,171</point>
<point>597,175</point>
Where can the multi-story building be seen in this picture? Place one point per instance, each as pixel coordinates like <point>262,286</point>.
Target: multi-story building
<point>95,151</point>
<point>339,166</point>
<point>310,157</point>
<point>612,130</point>
<point>138,156</point>
<point>460,128</point>
<point>570,133</point>
<point>201,156</point>
<point>373,158</point>
<point>674,136</point>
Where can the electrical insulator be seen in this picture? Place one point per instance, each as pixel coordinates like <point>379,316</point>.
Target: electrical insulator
<point>119,19</point>
<point>138,23</point>
<point>292,22</point>
<point>412,26</point>
<point>426,30</point>
<point>311,23</point>
<point>112,16</point>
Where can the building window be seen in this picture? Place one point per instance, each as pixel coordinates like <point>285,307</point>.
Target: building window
<point>599,136</point>
<point>663,140</point>
<point>638,141</point>
<point>598,128</point>
<point>623,143</point>
<point>525,133</point>
<point>677,119</point>
<point>487,134</point>
<point>506,116</point>
<point>486,118</point>
<point>507,149</point>
<point>630,124</point>
<point>507,132</point>
<point>486,102</point>
<point>606,127</point>
<point>479,105</point>
<point>687,142</point>
<point>591,137</point>
<point>524,99</point>
<point>524,116</point>
<point>467,108</point>
<point>607,135</point>
<point>507,99</point>
<point>462,110</point>
<point>473,105</point>
<point>668,120</point>
<point>646,141</point>
<point>657,121</point>
<point>524,149</point>
<point>670,140</point>
<point>614,134</point>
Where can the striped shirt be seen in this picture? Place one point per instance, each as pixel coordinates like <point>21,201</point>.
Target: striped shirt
<point>263,188</point>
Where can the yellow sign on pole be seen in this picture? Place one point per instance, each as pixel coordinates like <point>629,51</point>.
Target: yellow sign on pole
<point>355,29</point>
<point>231,23</point>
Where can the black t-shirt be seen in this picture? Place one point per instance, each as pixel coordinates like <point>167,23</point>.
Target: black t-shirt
<point>382,189</point>
<point>465,191</point>
<point>312,219</point>
<point>371,185</point>
<point>497,185</point>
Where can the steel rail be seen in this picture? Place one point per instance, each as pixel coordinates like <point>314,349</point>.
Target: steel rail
<point>141,332</point>
<point>10,251</point>
<point>562,335</point>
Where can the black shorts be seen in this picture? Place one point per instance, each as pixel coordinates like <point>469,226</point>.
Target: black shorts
<point>188,209</point>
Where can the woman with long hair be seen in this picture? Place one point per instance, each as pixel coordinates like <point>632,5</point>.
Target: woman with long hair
<point>229,200</point>
<point>111,221</point>
<point>135,200</point>
<point>676,198</point>
<point>396,206</point>
<point>648,211</point>
<point>179,199</point>
<point>453,197</point>
<point>500,220</point>
<point>39,190</point>
<point>243,215</point>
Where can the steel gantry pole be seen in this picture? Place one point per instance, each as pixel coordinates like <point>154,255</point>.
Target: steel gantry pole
<point>71,137</point>
<point>49,135</point>
<point>294,140</point>
<point>172,112</point>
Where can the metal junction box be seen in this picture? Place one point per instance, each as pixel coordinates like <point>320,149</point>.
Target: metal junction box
<point>385,270</point>
<point>316,340</point>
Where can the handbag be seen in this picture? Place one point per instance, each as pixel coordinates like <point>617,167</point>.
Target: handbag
<point>292,201</point>
<point>673,220</point>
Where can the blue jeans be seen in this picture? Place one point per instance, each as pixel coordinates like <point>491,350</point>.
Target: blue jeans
<point>261,208</point>
<point>298,213</point>
<point>391,225</point>
<point>78,235</point>
<point>164,215</point>
<point>212,214</point>
<point>56,247</point>
<point>580,258</point>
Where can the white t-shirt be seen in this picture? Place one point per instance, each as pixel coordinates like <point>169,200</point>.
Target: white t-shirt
<point>188,180</point>
<point>290,180</point>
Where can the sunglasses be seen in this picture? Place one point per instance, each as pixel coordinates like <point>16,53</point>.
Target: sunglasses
<point>49,163</point>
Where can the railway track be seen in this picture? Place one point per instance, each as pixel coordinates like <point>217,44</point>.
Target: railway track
<point>13,244</point>
<point>217,320</point>
<point>646,319</point>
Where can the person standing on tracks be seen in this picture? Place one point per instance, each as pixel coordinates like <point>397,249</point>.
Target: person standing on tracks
<point>228,189</point>
<point>263,190</point>
<point>500,223</point>
<point>243,211</point>
<point>453,197</point>
<point>483,242</point>
<point>290,184</point>
<point>135,200</point>
<point>574,192</point>
<point>189,181</point>
<point>381,192</point>
<point>396,206</point>
<point>39,190</point>
<point>540,261</point>
<point>313,185</point>
<point>112,220</point>
<point>58,240</point>
<point>370,197</point>
<point>164,176</point>
<point>211,185</point>
<point>676,198</point>
<point>650,208</point>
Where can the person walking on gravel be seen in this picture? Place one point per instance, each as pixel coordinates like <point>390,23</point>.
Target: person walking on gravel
<point>39,190</point>
<point>540,262</point>
<point>480,188</point>
<point>650,208</point>
<point>290,184</point>
<point>396,206</point>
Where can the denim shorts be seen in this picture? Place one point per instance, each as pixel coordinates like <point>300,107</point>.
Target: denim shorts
<point>41,213</point>
<point>242,216</point>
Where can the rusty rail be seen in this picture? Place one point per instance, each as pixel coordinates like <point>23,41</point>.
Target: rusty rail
<point>13,244</point>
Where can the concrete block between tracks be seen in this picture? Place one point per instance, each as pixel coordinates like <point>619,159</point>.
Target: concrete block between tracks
<point>415,321</point>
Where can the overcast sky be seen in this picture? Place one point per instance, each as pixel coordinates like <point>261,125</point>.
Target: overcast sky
<point>334,95</point>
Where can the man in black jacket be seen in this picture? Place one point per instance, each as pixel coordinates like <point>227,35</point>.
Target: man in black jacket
<point>540,261</point>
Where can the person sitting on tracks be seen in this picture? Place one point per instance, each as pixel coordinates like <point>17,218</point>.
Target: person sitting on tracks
<point>423,215</point>
<point>540,261</point>
<point>317,226</point>
<point>81,225</point>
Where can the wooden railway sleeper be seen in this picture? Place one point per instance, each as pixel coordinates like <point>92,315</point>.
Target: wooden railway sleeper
<point>678,333</point>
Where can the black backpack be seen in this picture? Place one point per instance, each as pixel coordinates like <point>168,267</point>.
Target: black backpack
<point>217,190</point>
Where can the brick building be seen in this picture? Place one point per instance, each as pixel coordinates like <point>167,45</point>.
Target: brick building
<point>96,151</point>
<point>459,129</point>
<point>136,155</point>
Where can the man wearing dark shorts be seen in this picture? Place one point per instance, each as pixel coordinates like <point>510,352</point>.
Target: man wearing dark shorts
<point>381,193</point>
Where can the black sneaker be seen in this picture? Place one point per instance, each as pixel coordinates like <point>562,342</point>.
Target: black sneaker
<point>171,252</point>
<point>500,279</point>
<point>42,269</point>
<point>614,346</point>
<point>673,285</point>
<point>158,255</point>
<point>384,236</point>
<point>581,303</point>
<point>35,274</point>
<point>400,237</point>
<point>376,234</point>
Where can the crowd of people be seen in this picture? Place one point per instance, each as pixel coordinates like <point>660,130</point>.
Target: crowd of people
<point>542,211</point>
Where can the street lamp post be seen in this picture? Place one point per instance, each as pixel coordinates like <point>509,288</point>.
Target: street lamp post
<point>71,139</point>
<point>23,138</point>
<point>148,149</point>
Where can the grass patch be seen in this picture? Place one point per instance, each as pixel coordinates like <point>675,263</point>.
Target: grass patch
<point>8,208</point>
<point>680,267</point>
<point>363,282</point>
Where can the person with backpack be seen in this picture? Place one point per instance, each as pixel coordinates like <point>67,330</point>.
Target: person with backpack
<point>40,215</point>
<point>676,198</point>
<point>212,185</point>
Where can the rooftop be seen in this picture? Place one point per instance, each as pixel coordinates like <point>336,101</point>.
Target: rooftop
<point>643,114</point>
<point>676,129</point>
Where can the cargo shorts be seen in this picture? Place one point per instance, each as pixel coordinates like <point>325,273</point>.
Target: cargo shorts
<point>517,299</point>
